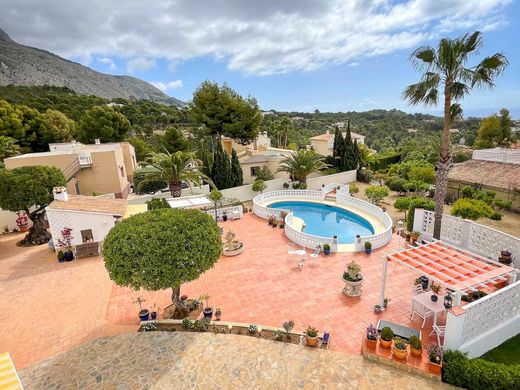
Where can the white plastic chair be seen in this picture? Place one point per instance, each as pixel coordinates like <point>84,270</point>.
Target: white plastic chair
<point>439,331</point>
<point>417,289</point>
<point>316,252</point>
<point>291,251</point>
<point>422,312</point>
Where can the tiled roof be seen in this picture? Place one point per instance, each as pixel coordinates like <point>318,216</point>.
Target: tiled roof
<point>255,158</point>
<point>487,173</point>
<point>329,136</point>
<point>90,204</point>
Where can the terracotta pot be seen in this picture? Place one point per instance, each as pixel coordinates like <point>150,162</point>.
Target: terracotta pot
<point>384,343</point>
<point>312,341</point>
<point>371,344</point>
<point>434,368</point>
<point>416,352</point>
<point>399,353</point>
<point>24,229</point>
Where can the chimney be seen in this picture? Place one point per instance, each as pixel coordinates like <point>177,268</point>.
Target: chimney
<point>60,193</point>
<point>97,141</point>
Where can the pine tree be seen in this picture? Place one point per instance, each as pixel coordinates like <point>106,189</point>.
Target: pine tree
<point>236,170</point>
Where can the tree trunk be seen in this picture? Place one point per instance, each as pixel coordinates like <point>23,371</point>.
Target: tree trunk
<point>181,307</point>
<point>38,233</point>
<point>443,165</point>
<point>176,188</point>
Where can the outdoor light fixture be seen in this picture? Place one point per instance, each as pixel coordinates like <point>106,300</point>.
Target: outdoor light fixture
<point>448,301</point>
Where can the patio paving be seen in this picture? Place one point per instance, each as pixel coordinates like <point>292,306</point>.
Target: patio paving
<point>47,307</point>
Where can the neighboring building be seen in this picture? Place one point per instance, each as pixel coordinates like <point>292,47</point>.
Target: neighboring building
<point>412,130</point>
<point>454,131</point>
<point>88,169</point>
<point>324,143</point>
<point>89,217</point>
<point>495,169</point>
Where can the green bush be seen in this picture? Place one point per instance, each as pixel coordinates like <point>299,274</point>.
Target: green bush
<point>471,209</point>
<point>387,334</point>
<point>385,161</point>
<point>415,203</point>
<point>503,204</point>
<point>376,193</point>
<point>157,203</point>
<point>402,204</point>
<point>364,175</point>
<point>415,342</point>
<point>479,374</point>
<point>397,184</point>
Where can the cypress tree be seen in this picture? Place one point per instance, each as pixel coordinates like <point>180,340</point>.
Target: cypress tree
<point>221,168</point>
<point>338,150</point>
<point>349,159</point>
<point>236,170</point>
<point>357,155</point>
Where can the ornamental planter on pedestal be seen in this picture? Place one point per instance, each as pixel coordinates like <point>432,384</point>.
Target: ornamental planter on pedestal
<point>353,280</point>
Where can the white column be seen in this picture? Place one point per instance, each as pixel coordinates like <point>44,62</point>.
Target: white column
<point>457,298</point>
<point>383,282</point>
<point>454,331</point>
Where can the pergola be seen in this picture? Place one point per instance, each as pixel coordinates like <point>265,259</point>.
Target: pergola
<point>459,270</point>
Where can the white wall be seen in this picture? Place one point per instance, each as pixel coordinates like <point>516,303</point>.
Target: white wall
<point>78,221</point>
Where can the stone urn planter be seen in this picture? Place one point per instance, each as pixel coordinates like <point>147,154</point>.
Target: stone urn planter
<point>232,247</point>
<point>353,280</point>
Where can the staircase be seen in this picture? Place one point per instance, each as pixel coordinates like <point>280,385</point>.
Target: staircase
<point>70,170</point>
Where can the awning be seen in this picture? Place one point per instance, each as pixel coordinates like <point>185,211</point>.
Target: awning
<point>191,202</point>
<point>9,379</point>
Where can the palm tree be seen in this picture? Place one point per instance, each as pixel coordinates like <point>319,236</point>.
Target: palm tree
<point>175,168</point>
<point>446,71</point>
<point>301,164</point>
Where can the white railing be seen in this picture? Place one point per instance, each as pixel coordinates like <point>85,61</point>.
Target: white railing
<point>342,197</point>
<point>511,156</point>
<point>85,159</point>
<point>469,235</point>
<point>485,323</point>
<point>229,210</point>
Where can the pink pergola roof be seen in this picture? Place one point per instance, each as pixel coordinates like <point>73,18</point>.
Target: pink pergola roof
<point>451,266</point>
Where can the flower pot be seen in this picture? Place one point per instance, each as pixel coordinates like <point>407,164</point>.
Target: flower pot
<point>224,217</point>
<point>434,368</point>
<point>384,343</point>
<point>326,252</point>
<point>368,251</point>
<point>399,353</point>
<point>434,297</point>
<point>153,315</point>
<point>416,352</point>
<point>218,316</point>
<point>23,229</point>
<point>68,256</point>
<point>377,309</point>
<point>208,312</point>
<point>371,344</point>
<point>143,315</point>
<point>312,341</point>
<point>424,282</point>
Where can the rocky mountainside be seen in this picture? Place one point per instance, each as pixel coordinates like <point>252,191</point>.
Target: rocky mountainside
<point>28,66</point>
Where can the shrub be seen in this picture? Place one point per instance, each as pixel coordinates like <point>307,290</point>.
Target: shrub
<point>397,184</point>
<point>467,192</point>
<point>402,204</point>
<point>157,203</point>
<point>495,215</point>
<point>353,189</point>
<point>364,175</point>
<point>187,324</point>
<point>376,193</point>
<point>295,186</point>
<point>285,185</point>
<point>479,374</point>
<point>422,203</point>
<point>385,161</point>
<point>471,209</point>
<point>278,335</point>
<point>368,245</point>
<point>259,186</point>
<point>415,342</point>
<point>503,204</point>
<point>264,173</point>
<point>387,334</point>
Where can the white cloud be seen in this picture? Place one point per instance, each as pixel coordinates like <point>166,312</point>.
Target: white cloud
<point>108,61</point>
<point>175,84</point>
<point>139,64</point>
<point>264,37</point>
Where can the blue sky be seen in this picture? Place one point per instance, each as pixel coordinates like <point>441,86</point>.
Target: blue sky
<point>333,55</point>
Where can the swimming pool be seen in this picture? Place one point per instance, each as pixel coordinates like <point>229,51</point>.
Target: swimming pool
<point>327,221</point>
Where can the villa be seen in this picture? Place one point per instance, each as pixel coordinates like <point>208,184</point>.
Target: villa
<point>323,143</point>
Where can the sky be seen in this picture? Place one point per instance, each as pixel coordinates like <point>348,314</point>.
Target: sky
<point>291,55</point>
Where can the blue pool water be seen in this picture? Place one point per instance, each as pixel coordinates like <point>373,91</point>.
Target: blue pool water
<point>327,221</point>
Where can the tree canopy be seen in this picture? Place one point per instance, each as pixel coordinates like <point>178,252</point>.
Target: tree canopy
<point>495,131</point>
<point>103,123</point>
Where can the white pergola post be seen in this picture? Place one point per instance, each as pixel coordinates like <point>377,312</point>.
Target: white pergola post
<point>457,298</point>
<point>383,282</point>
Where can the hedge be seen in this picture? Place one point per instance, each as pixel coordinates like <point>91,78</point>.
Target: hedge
<point>422,203</point>
<point>479,374</point>
<point>385,161</point>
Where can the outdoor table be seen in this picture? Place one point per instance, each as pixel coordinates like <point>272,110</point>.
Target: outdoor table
<point>425,301</point>
<point>401,331</point>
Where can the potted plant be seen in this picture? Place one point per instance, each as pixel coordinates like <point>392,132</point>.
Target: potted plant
<point>415,346</point>
<point>368,247</point>
<point>505,257</point>
<point>385,302</point>
<point>224,215</point>
<point>208,311</point>
<point>386,336</point>
<point>311,336</point>
<point>407,237</point>
<point>414,236</point>
<point>285,185</point>
<point>61,256</point>
<point>353,280</point>
<point>65,242</point>
<point>435,359</point>
<point>253,329</point>
<point>143,313</point>
<point>288,326</point>
<point>436,288</point>
<point>153,312</point>
<point>378,309</point>
<point>218,314</point>
<point>371,336</point>
<point>326,249</point>
<point>400,349</point>
<point>22,221</point>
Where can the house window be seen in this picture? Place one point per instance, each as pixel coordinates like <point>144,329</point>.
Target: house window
<point>87,236</point>
<point>122,169</point>
<point>254,171</point>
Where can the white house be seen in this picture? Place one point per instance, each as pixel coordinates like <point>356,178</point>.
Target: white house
<point>89,217</point>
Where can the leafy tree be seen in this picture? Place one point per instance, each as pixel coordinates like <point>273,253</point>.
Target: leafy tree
<point>415,203</point>
<point>8,147</point>
<point>224,112</point>
<point>162,249</point>
<point>259,186</point>
<point>376,193</point>
<point>301,164</point>
<point>446,71</point>
<point>471,209</point>
<point>425,174</point>
<point>158,203</point>
<point>402,204</point>
<point>215,196</point>
<point>174,168</point>
<point>149,186</point>
<point>30,189</point>
<point>11,121</point>
<point>398,184</point>
<point>103,123</point>
<point>264,173</point>
<point>505,128</point>
<point>58,127</point>
<point>495,131</point>
<point>174,141</point>
<point>142,148</point>
<point>221,168</point>
<point>353,189</point>
<point>236,170</point>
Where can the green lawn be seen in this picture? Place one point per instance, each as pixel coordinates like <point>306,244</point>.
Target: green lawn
<point>508,352</point>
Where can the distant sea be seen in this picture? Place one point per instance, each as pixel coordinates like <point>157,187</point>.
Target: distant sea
<point>482,112</point>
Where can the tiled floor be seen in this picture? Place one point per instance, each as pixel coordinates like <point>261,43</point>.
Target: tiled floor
<point>47,308</point>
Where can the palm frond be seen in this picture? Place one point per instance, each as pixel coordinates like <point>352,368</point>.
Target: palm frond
<point>302,163</point>
<point>488,69</point>
<point>425,91</point>
<point>455,111</point>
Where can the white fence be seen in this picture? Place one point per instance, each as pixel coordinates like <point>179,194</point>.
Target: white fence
<point>342,197</point>
<point>511,156</point>
<point>230,211</point>
<point>485,323</point>
<point>465,234</point>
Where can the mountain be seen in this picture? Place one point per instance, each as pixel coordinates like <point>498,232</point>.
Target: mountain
<point>28,66</point>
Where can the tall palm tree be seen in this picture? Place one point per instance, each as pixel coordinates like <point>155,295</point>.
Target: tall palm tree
<point>175,168</point>
<point>446,71</point>
<point>301,164</point>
